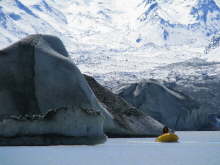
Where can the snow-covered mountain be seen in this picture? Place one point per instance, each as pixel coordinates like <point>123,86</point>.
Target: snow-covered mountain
<point>161,22</point>
<point>124,41</point>
<point>178,22</point>
<point>22,17</point>
<point>117,39</point>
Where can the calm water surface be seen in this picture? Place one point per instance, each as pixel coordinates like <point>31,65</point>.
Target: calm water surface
<point>194,148</point>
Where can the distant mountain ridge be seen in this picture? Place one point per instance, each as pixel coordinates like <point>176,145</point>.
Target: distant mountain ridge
<point>170,22</point>
<point>185,20</point>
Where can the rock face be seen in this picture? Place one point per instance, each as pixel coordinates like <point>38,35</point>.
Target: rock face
<point>37,75</point>
<point>127,120</point>
<point>171,108</point>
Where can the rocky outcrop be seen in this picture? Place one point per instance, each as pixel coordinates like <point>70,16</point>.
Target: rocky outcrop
<point>214,43</point>
<point>170,107</point>
<point>126,120</point>
<point>37,75</point>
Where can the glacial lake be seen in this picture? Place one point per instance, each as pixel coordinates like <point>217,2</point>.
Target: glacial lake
<point>194,148</point>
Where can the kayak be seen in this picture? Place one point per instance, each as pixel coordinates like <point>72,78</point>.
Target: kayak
<point>167,137</point>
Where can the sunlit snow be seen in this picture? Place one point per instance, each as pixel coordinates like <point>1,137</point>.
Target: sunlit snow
<point>118,40</point>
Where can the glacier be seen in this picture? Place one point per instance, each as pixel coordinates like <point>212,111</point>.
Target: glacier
<point>124,41</point>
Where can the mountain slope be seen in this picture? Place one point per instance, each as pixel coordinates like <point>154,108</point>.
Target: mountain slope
<point>180,22</point>
<point>117,40</point>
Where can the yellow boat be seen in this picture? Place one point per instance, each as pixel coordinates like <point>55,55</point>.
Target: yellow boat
<point>167,137</point>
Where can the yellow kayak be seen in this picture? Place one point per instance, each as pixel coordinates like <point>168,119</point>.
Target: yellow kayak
<point>167,137</point>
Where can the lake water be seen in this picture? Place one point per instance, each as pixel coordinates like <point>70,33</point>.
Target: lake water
<point>194,148</point>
